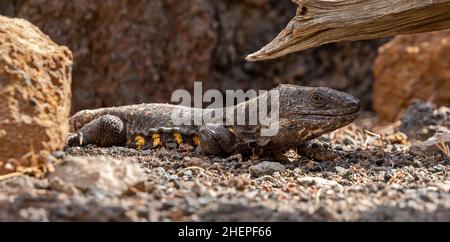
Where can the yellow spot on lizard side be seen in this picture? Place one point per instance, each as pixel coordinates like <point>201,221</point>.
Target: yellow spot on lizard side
<point>196,139</point>
<point>178,137</point>
<point>232,130</point>
<point>156,140</point>
<point>140,141</point>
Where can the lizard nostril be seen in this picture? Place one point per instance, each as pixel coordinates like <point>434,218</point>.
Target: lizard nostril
<point>356,104</point>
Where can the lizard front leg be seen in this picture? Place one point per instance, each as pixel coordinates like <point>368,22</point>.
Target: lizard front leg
<point>106,130</point>
<point>217,139</point>
<point>318,151</point>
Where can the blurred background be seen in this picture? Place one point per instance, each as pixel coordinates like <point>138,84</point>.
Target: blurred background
<point>141,50</point>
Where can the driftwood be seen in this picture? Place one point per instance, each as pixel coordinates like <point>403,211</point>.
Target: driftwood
<point>319,22</point>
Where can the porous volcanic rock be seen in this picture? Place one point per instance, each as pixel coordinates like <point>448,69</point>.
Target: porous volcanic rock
<point>408,67</point>
<point>35,79</point>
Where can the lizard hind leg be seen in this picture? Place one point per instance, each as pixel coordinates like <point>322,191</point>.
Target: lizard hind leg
<point>216,139</point>
<point>104,131</point>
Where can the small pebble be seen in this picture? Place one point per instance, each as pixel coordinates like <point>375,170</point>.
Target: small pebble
<point>341,170</point>
<point>266,168</point>
<point>58,154</point>
<point>177,157</point>
<point>171,145</point>
<point>438,168</point>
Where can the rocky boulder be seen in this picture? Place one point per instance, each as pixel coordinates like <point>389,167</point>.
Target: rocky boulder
<point>99,175</point>
<point>408,67</point>
<point>35,80</point>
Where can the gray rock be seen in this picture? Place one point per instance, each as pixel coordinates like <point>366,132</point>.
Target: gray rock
<point>99,175</point>
<point>58,154</point>
<point>341,170</point>
<point>34,214</point>
<point>438,168</point>
<point>318,181</point>
<point>22,183</point>
<point>266,168</point>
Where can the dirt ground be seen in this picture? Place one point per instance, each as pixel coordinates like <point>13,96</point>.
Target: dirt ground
<point>377,179</point>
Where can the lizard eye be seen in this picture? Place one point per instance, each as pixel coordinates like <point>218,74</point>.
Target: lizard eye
<point>317,98</point>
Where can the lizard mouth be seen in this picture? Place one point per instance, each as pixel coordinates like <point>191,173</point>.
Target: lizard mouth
<point>315,117</point>
<point>352,117</point>
<point>350,113</point>
<point>345,114</point>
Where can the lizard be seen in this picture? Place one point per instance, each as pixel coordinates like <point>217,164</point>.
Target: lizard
<point>305,113</point>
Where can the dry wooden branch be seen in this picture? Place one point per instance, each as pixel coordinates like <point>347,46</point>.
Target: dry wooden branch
<point>319,22</point>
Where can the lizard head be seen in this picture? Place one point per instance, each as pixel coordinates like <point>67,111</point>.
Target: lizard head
<point>312,111</point>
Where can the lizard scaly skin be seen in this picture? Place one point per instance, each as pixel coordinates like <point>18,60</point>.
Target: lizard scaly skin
<point>305,113</point>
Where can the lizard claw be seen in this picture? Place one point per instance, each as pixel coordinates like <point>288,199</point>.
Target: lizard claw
<point>75,139</point>
<point>80,137</point>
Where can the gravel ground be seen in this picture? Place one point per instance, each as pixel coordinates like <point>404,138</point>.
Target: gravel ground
<point>377,179</point>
